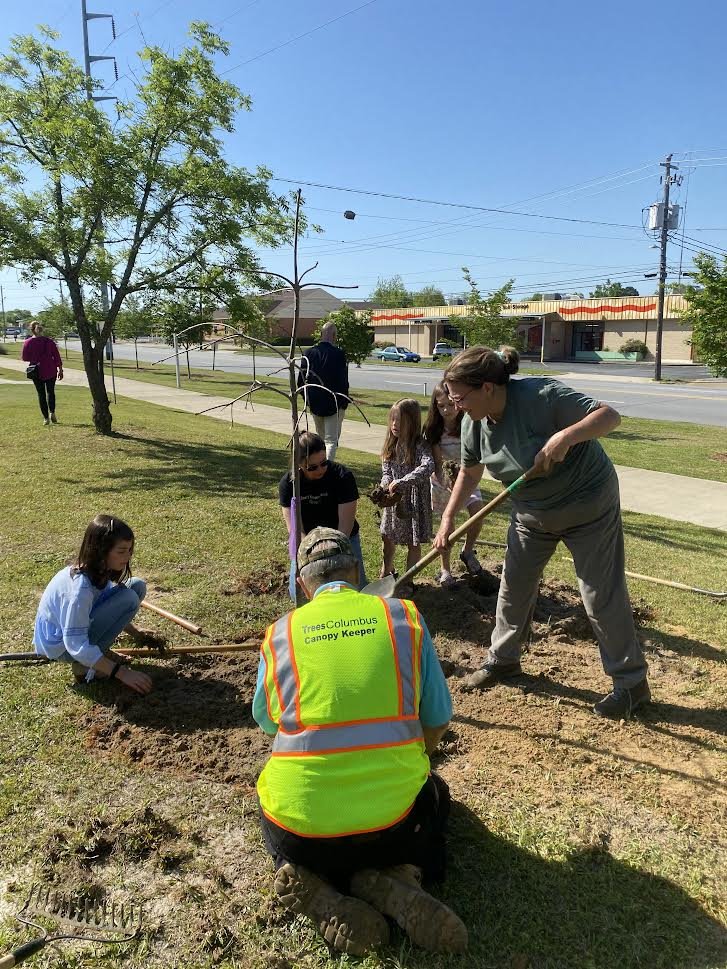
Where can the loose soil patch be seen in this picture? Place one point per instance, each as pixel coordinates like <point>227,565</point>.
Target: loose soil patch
<point>532,747</point>
<point>197,722</point>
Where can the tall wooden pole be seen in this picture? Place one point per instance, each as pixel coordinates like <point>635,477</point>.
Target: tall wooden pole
<point>662,268</point>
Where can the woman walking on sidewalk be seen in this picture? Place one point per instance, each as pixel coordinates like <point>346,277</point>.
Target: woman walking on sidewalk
<point>42,353</point>
<point>535,421</point>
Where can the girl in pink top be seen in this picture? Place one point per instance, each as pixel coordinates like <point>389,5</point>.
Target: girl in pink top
<point>42,353</point>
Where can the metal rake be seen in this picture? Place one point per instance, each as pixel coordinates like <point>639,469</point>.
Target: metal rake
<point>86,918</point>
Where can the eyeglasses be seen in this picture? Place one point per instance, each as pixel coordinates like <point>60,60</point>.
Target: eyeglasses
<point>315,467</point>
<point>457,401</point>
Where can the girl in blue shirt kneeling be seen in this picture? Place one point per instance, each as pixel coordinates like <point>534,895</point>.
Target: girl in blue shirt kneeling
<point>88,604</point>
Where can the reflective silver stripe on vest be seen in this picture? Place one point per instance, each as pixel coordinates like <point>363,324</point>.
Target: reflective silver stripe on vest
<point>346,737</point>
<point>284,672</point>
<point>403,641</point>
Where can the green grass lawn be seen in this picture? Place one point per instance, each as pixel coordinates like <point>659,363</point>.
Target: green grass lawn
<point>588,867</point>
<point>693,450</point>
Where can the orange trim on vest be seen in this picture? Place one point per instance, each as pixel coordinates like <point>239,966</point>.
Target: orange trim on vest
<point>392,637</point>
<point>267,639</point>
<point>275,670</point>
<point>343,834</point>
<point>294,667</point>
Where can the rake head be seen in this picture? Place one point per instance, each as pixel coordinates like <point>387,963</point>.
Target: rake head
<point>92,919</point>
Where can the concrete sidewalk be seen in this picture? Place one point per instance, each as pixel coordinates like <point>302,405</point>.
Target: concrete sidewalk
<point>673,496</point>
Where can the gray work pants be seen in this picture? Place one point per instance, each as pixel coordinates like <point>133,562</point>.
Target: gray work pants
<point>329,428</point>
<point>592,531</point>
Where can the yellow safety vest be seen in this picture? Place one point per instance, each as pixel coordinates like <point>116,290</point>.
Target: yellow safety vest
<point>342,682</point>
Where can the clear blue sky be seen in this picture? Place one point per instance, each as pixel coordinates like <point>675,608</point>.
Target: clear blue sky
<point>506,104</point>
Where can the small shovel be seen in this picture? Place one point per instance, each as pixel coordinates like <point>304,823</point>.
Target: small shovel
<point>386,587</point>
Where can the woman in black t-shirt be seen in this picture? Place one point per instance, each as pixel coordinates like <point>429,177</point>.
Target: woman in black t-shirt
<point>328,497</point>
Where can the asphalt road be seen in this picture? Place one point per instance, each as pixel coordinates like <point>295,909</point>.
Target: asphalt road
<point>638,396</point>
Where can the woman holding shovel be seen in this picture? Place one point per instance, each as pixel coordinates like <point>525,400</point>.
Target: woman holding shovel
<point>573,496</point>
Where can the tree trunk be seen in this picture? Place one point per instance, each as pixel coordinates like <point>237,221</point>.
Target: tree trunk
<point>93,359</point>
<point>101,409</point>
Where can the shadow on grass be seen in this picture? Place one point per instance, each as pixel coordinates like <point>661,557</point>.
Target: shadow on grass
<point>589,911</point>
<point>179,704</point>
<point>656,717</point>
<point>677,535</point>
<point>213,468</point>
<point>685,646</point>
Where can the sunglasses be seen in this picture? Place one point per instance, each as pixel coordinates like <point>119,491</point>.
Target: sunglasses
<point>316,467</point>
<point>457,401</point>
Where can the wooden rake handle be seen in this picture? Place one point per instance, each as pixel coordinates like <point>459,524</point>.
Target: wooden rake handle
<point>434,553</point>
<point>184,623</point>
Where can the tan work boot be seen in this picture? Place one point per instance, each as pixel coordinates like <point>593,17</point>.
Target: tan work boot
<point>346,923</point>
<point>397,893</point>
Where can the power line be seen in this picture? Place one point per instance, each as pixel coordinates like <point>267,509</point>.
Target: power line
<point>292,40</point>
<point>704,246</point>
<point>455,205</point>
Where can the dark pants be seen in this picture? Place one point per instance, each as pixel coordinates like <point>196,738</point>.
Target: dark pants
<point>46,389</point>
<point>419,839</point>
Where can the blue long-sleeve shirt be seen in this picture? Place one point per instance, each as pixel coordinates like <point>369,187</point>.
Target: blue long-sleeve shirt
<point>64,615</point>
<point>435,704</point>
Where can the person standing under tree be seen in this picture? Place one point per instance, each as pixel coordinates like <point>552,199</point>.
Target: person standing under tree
<point>509,427</point>
<point>325,364</point>
<point>42,353</point>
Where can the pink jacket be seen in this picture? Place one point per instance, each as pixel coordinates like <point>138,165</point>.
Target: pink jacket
<point>43,351</point>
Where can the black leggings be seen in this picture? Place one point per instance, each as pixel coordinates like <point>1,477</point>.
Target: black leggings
<point>44,387</point>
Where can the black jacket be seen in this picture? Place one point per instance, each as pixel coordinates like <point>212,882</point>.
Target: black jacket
<point>328,367</point>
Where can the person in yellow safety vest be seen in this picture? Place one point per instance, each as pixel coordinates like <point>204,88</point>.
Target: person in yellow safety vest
<point>350,687</point>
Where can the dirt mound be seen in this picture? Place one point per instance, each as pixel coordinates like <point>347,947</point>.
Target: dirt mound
<point>197,721</point>
<point>537,733</point>
<point>268,581</point>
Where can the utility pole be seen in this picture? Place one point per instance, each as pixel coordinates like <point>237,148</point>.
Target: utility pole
<point>667,178</point>
<point>89,59</point>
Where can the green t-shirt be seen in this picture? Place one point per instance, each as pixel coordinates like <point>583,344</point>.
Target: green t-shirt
<point>535,409</point>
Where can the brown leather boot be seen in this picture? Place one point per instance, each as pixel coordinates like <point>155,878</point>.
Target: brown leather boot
<point>428,922</point>
<point>347,924</point>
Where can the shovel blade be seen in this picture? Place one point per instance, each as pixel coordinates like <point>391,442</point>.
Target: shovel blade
<point>386,587</point>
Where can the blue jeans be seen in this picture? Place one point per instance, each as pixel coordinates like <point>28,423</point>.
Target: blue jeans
<point>112,611</point>
<point>362,580</point>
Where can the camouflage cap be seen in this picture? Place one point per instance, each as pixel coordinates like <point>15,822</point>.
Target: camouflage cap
<point>323,543</point>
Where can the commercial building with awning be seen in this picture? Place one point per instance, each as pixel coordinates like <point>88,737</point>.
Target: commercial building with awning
<point>564,329</point>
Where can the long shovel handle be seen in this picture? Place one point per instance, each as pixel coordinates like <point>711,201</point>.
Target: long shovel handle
<point>463,529</point>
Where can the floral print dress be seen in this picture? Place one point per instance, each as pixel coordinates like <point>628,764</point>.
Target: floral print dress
<point>409,522</point>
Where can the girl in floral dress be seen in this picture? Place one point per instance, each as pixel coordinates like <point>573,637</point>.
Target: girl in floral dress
<point>407,465</point>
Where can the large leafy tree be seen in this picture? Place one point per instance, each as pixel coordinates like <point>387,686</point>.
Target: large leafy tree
<point>134,320</point>
<point>608,289</point>
<point>484,324</point>
<point>354,333</point>
<point>391,292</point>
<point>57,319</point>
<point>428,296</point>
<point>144,204</point>
<point>707,313</point>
